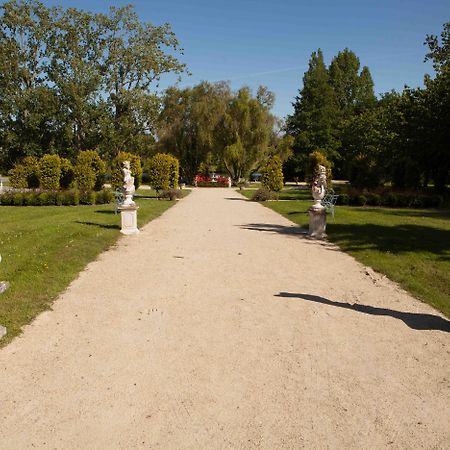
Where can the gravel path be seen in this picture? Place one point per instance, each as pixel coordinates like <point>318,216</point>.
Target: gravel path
<point>221,326</point>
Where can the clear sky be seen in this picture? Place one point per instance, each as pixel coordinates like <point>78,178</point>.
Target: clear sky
<point>253,42</point>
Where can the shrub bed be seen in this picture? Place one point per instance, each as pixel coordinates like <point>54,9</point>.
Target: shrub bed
<point>390,199</point>
<point>56,198</point>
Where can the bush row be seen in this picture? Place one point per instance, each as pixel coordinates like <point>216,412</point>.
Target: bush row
<point>391,199</point>
<point>56,198</point>
<point>52,172</point>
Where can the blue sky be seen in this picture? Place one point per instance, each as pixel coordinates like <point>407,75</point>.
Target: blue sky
<point>252,42</point>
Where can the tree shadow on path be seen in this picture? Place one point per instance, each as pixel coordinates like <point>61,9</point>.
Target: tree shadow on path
<point>274,228</point>
<point>416,321</point>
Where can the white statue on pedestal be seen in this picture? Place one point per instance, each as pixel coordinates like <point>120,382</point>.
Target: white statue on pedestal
<point>129,184</point>
<point>318,212</point>
<point>319,187</point>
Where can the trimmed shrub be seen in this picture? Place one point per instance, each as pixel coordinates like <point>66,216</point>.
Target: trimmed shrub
<point>72,198</point>
<point>18,199</point>
<point>171,194</point>
<point>374,199</point>
<point>174,172</point>
<point>59,198</point>
<point>88,198</point>
<point>315,159</point>
<point>89,171</point>
<point>272,175</point>
<point>42,199</point>
<point>262,195</point>
<point>343,199</point>
<point>6,199</point>
<point>163,173</point>
<point>361,200</point>
<point>67,174</point>
<point>18,177</point>
<point>30,199</point>
<point>25,174</point>
<point>117,166</point>
<point>49,172</point>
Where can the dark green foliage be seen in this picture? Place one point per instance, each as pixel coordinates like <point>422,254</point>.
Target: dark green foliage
<point>25,174</point>
<point>72,80</point>
<point>315,159</point>
<point>58,198</point>
<point>89,171</point>
<point>18,199</point>
<point>374,199</point>
<point>67,174</point>
<point>162,172</point>
<point>272,175</point>
<point>117,169</point>
<point>343,199</point>
<point>262,195</point>
<point>49,172</point>
<point>105,196</point>
<point>171,194</point>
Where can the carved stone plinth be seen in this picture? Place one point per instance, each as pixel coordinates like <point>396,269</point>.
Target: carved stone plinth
<point>128,215</point>
<point>317,222</point>
<point>3,331</point>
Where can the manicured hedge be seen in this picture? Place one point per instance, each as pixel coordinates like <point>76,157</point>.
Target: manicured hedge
<point>391,199</point>
<point>56,198</point>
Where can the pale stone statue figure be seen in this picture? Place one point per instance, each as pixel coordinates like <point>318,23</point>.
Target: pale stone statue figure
<point>317,212</point>
<point>319,187</point>
<point>129,184</point>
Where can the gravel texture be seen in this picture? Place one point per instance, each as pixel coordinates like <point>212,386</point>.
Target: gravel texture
<point>222,326</point>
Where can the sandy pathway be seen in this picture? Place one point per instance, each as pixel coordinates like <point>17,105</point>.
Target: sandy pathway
<point>220,326</point>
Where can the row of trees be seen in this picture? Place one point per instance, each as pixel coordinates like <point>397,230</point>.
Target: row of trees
<point>72,80</point>
<point>402,138</point>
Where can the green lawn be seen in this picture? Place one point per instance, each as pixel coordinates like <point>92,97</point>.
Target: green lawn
<point>44,248</point>
<point>410,246</point>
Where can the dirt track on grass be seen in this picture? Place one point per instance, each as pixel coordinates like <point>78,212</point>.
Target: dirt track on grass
<point>222,326</point>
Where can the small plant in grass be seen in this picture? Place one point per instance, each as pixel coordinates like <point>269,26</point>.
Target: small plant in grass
<point>171,194</point>
<point>262,195</point>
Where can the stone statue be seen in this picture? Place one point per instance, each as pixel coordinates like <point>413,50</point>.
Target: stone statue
<point>129,184</point>
<point>319,187</point>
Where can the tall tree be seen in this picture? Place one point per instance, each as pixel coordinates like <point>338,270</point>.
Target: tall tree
<point>315,111</point>
<point>245,132</point>
<point>188,122</point>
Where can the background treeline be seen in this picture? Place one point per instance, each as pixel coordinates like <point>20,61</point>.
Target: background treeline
<point>72,80</point>
<point>401,138</point>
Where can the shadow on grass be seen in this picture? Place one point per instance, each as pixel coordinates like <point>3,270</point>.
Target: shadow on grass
<point>393,239</point>
<point>274,228</point>
<point>416,321</point>
<point>100,225</point>
<point>105,211</point>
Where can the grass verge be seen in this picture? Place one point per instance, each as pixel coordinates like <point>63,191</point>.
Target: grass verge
<point>44,248</point>
<point>410,246</point>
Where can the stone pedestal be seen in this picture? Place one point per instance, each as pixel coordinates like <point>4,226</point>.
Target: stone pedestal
<point>317,222</point>
<point>128,215</point>
<point>3,331</point>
